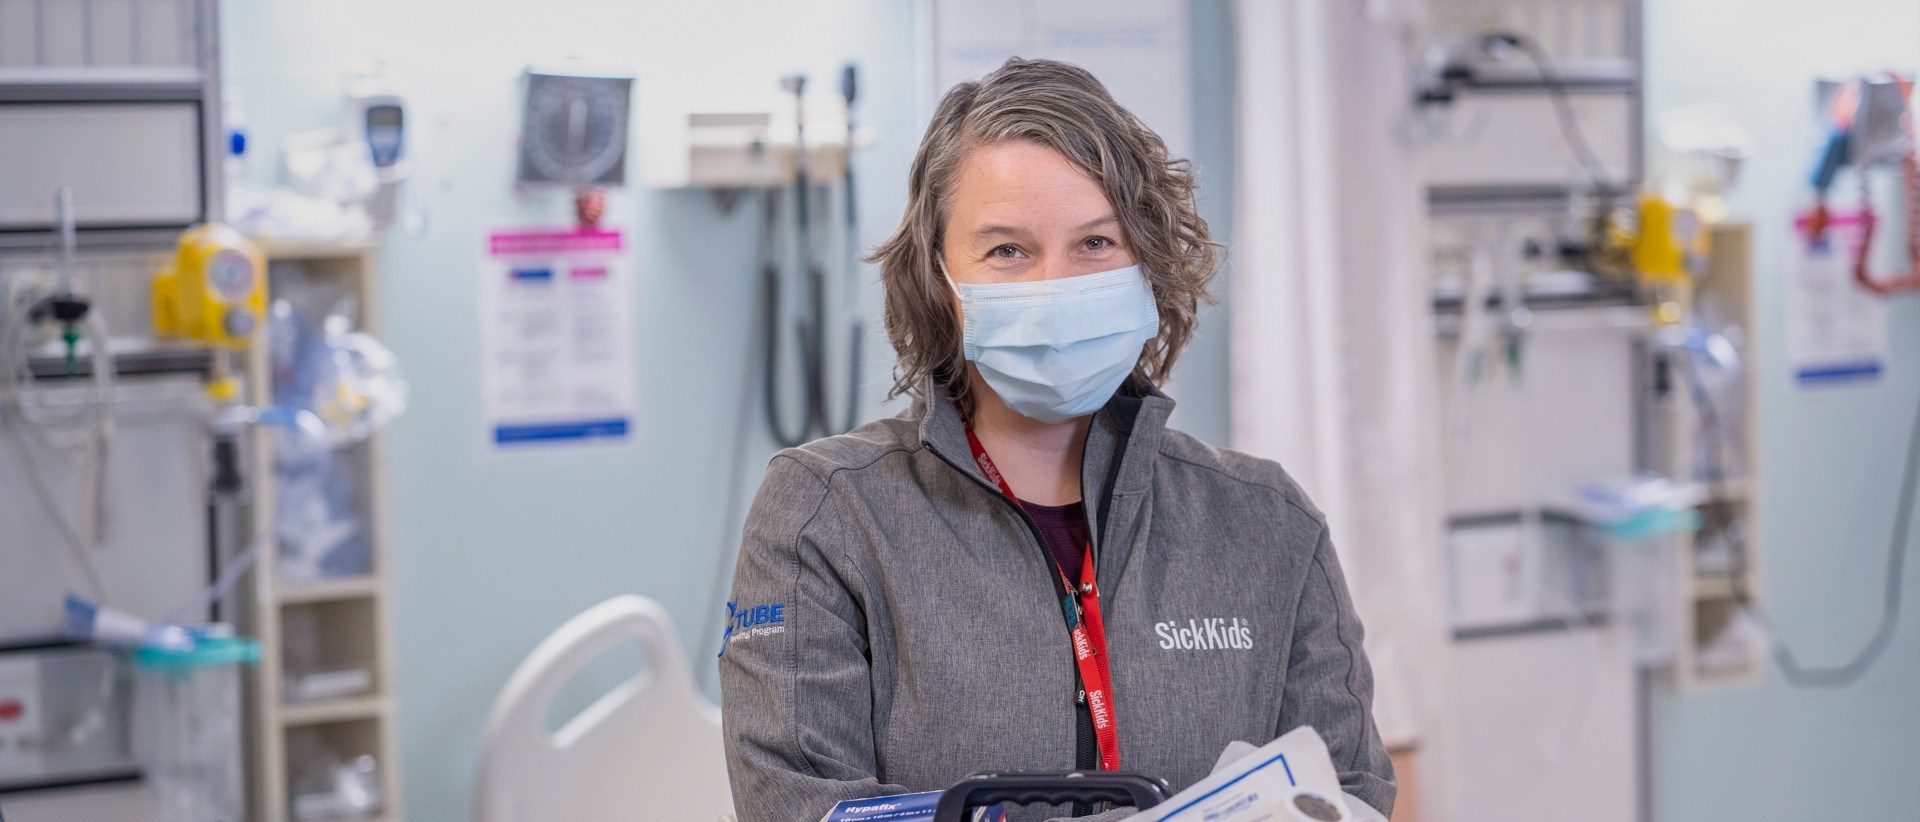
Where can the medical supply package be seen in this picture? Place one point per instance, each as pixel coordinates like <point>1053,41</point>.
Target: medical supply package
<point>906,807</point>
<point>1290,779</point>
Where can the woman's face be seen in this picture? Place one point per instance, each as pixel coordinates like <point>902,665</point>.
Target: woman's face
<point>1023,212</point>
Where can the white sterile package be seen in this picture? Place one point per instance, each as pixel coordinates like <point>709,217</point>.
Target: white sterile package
<point>1290,779</point>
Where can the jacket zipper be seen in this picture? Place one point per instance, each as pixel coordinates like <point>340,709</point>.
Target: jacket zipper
<point>1086,745</point>
<point>1033,528</point>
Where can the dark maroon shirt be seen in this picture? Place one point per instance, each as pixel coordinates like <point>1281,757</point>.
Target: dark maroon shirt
<point>1064,529</point>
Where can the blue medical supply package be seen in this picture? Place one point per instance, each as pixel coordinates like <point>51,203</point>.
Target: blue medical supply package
<point>907,807</point>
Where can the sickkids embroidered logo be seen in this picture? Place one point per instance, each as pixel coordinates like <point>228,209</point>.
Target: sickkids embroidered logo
<point>1210,634</point>
<point>752,621</point>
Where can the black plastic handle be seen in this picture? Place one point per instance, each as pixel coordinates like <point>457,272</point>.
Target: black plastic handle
<point>1118,787</point>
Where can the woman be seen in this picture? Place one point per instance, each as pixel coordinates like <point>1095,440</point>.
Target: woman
<point>1028,570</point>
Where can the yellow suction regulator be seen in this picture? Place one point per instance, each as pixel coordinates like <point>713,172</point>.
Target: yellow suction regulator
<point>214,291</point>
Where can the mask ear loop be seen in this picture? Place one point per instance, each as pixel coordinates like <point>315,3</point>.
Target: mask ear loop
<point>960,301</point>
<point>940,264</point>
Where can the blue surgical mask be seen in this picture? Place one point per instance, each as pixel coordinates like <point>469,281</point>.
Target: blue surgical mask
<point>1058,349</point>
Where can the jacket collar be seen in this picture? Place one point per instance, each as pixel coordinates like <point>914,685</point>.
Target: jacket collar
<point>1128,428</point>
<point>1115,472</point>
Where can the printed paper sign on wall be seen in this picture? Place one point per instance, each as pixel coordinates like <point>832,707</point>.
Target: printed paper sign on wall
<point>557,343</point>
<point>1836,330</point>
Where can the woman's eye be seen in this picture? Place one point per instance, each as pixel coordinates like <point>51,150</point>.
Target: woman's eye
<point>1004,252</point>
<point>1098,243</point>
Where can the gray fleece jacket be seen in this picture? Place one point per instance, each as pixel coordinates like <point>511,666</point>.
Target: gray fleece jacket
<point>895,623</point>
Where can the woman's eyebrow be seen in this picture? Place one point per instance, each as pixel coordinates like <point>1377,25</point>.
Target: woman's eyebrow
<point>986,231</point>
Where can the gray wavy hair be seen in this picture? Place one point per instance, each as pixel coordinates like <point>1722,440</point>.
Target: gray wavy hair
<point>1061,106</point>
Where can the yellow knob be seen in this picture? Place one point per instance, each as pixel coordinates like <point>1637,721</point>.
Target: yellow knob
<point>223,390</point>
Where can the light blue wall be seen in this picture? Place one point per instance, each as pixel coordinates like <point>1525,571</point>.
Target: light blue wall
<point>492,553</point>
<point>1831,459</point>
<point>1200,381</point>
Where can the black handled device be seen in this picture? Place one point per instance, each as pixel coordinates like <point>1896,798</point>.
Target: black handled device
<point>1118,787</point>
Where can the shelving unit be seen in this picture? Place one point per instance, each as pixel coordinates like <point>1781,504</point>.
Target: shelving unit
<point>346,621</point>
<point>1712,592</point>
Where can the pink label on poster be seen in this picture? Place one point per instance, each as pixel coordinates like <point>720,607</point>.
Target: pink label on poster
<point>548,241</point>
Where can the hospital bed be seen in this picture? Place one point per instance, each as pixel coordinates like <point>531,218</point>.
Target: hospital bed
<point>649,748</point>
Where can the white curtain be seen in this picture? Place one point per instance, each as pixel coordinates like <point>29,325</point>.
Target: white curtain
<point>1333,366</point>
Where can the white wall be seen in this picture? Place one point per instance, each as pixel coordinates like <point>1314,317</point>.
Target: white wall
<point>1832,458</point>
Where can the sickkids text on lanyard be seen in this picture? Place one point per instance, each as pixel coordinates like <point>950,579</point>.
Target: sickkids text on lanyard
<point>1083,622</point>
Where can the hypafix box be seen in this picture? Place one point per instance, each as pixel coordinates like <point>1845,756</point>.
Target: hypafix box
<point>907,807</point>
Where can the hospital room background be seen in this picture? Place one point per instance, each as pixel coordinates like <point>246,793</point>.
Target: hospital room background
<point>1578,318</point>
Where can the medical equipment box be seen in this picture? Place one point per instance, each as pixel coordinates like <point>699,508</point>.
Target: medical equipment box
<point>906,807</point>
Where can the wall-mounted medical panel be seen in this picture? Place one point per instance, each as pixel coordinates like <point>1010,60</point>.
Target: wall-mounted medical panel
<point>86,146</point>
<point>151,554</point>
<point>119,100</point>
<point>64,718</point>
<point>1509,142</point>
<point>98,34</point>
<point>751,146</point>
<point>1511,90</point>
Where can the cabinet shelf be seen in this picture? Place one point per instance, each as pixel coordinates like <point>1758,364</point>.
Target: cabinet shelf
<point>1713,587</point>
<point>285,250</point>
<point>1732,490</point>
<point>332,710</point>
<point>308,592</point>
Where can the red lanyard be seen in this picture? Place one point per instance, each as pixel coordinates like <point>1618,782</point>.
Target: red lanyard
<point>1088,632</point>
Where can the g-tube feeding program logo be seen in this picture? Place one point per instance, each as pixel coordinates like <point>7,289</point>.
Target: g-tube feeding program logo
<point>745,622</point>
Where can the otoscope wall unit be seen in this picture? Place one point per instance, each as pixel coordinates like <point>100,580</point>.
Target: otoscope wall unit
<point>755,140</point>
